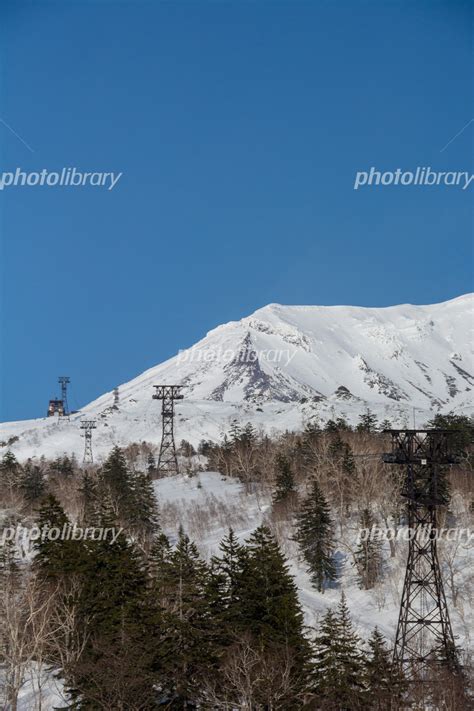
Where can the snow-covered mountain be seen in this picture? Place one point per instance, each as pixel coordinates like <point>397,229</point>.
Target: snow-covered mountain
<point>284,365</point>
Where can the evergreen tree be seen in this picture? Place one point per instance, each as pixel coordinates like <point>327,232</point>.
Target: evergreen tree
<point>33,483</point>
<point>63,466</point>
<point>384,683</point>
<point>368,556</point>
<point>314,533</point>
<point>342,424</point>
<point>461,426</point>
<point>331,426</point>
<point>116,478</point>
<point>338,663</point>
<point>285,481</point>
<point>10,470</point>
<point>143,507</point>
<point>57,555</point>
<point>117,667</point>
<point>229,569</point>
<point>270,607</point>
<point>336,446</point>
<point>367,422</point>
<point>188,648</point>
<point>89,498</point>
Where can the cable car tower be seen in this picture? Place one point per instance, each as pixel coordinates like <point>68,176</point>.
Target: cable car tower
<point>64,380</point>
<point>88,426</point>
<point>167,460</point>
<point>424,635</point>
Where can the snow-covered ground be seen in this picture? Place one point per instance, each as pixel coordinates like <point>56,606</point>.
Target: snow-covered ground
<point>208,503</point>
<point>280,367</point>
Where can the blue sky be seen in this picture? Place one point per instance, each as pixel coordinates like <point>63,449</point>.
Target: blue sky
<point>239,127</point>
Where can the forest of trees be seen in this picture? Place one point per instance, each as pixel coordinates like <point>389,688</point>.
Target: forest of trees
<point>146,622</point>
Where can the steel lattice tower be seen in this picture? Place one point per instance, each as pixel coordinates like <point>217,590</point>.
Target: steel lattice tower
<point>64,380</point>
<point>424,635</point>
<point>88,426</point>
<point>167,460</point>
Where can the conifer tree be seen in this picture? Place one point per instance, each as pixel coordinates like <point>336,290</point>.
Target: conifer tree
<point>228,569</point>
<point>271,610</point>
<point>10,470</point>
<point>315,535</point>
<point>367,422</point>
<point>90,497</point>
<point>143,507</point>
<point>33,484</point>
<point>338,665</point>
<point>116,479</point>
<point>187,651</point>
<point>117,667</point>
<point>383,681</point>
<point>336,446</point>
<point>368,556</point>
<point>331,426</point>
<point>285,481</point>
<point>56,554</point>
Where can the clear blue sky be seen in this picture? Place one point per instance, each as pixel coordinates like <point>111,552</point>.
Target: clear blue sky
<point>239,126</point>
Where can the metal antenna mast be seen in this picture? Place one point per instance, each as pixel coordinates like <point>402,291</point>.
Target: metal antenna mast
<point>88,426</point>
<point>424,634</point>
<point>64,380</point>
<point>167,460</point>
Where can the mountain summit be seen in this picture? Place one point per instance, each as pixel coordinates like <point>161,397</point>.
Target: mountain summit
<point>286,364</point>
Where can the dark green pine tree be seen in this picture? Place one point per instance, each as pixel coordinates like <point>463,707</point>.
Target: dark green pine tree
<point>367,422</point>
<point>336,446</point>
<point>89,493</point>
<point>228,570</point>
<point>331,426</point>
<point>285,480</point>
<point>117,668</point>
<point>10,470</point>
<point>33,485</point>
<point>383,681</point>
<point>339,667</point>
<point>144,508</point>
<point>270,607</point>
<point>115,477</point>
<point>325,660</point>
<point>368,557</point>
<point>188,648</point>
<point>63,466</point>
<point>56,554</point>
<point>158,560</point>
<point>315,535</point>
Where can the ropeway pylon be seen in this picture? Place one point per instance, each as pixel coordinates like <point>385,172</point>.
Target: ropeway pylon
<point>88,426</point>
<point>424,635</point>
<point>167,460</point>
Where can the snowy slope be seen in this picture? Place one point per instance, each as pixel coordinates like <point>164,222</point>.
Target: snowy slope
<point>283,365</point>
<point>186,501</point>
